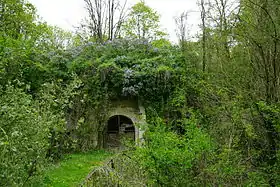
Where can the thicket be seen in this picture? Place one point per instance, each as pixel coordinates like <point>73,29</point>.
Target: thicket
<point>210,121</point>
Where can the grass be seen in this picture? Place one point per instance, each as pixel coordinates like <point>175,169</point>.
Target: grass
<point>73,169</point>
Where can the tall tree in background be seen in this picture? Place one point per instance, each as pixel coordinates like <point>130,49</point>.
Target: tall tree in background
<point>104,20</point>
<point>259,34</point>
<point>218,18</point>
<point>16,18</point>
<point>17,33</point>
<point>27,45</point>
<point>203,27</point>
<point>259,31</point>
<point>189,48</point>
<point>181,27</point>
<point>143,22</point>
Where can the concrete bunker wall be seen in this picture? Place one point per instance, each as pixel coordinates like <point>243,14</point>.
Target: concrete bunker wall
<point>131,110</point>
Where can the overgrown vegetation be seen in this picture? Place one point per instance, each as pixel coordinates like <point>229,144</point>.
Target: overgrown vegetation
<point>212,105</point>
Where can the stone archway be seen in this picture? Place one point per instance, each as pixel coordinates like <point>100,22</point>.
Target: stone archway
<point>119,127</point>
<point>127,109</point>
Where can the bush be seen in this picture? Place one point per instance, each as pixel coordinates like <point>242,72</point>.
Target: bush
<point>24,129</point>
<point>169,158</point>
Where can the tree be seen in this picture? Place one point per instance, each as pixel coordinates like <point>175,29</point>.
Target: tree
<point>181,27</point>
<point>104,20</point>
<point>17,29</point>
<point>259,32</point>
<point>203,19</point>
<point>189,48</point>
<point>143,22</point>
<point>218,18</point>
<point>16,18</point>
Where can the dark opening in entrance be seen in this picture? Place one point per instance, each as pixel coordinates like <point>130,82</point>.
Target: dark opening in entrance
<point>119,127</point>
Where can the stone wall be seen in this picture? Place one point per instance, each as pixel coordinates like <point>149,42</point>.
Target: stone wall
<point>96,131</point>
<point>132,110</point>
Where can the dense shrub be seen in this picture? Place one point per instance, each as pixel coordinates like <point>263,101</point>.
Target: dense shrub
<point>170,158</point>
<point>24,131</point>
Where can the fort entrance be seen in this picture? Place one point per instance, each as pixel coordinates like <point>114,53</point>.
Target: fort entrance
<point>119,128</point>
<point>125,121</point>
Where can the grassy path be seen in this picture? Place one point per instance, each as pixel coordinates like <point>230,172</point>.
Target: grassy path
<point>73,169</point>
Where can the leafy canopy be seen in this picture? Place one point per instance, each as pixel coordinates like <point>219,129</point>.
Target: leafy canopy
<point>143,22</point>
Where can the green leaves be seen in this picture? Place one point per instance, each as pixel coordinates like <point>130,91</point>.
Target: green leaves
<point>23,136</point>
<point>16,20</point>
<point>143,22</point>
<point>169,157</point>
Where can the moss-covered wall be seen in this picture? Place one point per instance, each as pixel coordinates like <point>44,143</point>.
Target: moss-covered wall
<point>90,125</point>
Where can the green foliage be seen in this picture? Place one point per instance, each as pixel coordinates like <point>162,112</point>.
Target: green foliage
<point>161,43</point>
<point>214,128</point>
<point>59,98</point>
<point>72,170</point>
<point>16,19</point>
<point>31,51</point>
<point>24,136</point>
<point>31,55</point>
<point>127,68</point>
<point>143,22</point>
<point>169,158</point>
<point>116,69</point>
<point>121,170</point>
<point>271,113</point>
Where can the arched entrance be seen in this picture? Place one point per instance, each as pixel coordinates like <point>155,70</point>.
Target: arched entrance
<point>119,127</point>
